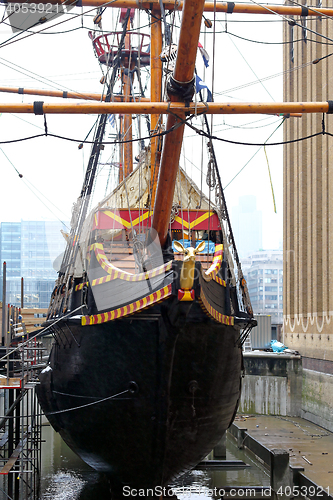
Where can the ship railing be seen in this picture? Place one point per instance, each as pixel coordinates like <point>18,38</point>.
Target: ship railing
<point>106,47</point>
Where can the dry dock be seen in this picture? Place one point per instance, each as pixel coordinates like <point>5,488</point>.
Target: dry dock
<point>307,463</point>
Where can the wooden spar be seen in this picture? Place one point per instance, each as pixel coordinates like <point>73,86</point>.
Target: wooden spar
<point>229,7</point>
<point>127,131</point>
<point>67,94</point>
<point>155,95</point>
<point>180,83</point>
<point>276,108</point>
<point>127,123</point>
<point>121,150</point>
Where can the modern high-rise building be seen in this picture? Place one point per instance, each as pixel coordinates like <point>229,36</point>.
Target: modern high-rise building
<point>308,195</point>
<point>263,271</point>
<point>29,249</point>
<point>247,225</point>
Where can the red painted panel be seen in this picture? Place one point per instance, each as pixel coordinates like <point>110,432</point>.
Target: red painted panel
<point>120,219</point>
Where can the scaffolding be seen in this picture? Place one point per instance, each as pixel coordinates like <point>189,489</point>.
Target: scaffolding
<point>20,414</point>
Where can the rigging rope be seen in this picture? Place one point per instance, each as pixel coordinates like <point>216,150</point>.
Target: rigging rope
<point>25,181</point>
<point>47,81</point>
<point>292,22</point>
<point>88,404</point>
<point>8,42</point>
<point>270,180</point>
<point>248,64</point>
<point>42,332</point>
<point>262,145</point>
<point>275,43</point>
<point>81,207</point>
<point>165,132</point>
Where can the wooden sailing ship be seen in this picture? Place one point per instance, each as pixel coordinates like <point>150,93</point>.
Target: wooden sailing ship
<point>150,363</point>
<point>150,309</point>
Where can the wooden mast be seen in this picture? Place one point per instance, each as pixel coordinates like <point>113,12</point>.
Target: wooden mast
<point>127,120</point>
<point>127,126</point>
<point>155,95</point>
<point>180,89</point>
<point>121,150</point>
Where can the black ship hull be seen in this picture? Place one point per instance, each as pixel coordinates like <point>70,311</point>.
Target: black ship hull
<point>146,397</point>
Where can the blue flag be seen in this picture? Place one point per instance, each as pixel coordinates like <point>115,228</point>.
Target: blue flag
<point>200,85</point>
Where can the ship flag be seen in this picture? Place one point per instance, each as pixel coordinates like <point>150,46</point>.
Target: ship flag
<point>200,85</point>
<point>204,55</point>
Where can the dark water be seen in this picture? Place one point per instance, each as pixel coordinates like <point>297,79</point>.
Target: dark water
<point>66,477</point>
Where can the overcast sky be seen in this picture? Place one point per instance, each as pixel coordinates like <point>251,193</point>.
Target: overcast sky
<point>55,167</point>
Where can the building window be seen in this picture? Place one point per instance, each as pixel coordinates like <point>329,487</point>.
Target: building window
<point>271,271</point>
<point>270,280</point>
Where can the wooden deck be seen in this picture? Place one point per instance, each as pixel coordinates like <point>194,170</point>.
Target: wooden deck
<point>121,256</point>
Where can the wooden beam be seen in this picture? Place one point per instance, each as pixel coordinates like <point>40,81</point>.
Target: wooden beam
<point>228,7</point>
<point>15,455</point>
<point>29,319</point>
<point>68,95</point>
<point>276,108</point>
<point>12,382</point>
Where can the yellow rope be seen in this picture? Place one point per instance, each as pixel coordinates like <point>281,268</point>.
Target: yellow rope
<point>270,179</point>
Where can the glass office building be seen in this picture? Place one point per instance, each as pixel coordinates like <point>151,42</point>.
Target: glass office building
<point>29,249</point>
<point>263,271</point>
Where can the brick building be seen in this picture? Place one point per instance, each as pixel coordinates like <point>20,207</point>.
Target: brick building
<point>308,223</point>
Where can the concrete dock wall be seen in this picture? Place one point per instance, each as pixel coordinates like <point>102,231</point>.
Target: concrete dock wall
<point>272,384</point>
<point>284,385</point>
<point>317,398</point>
